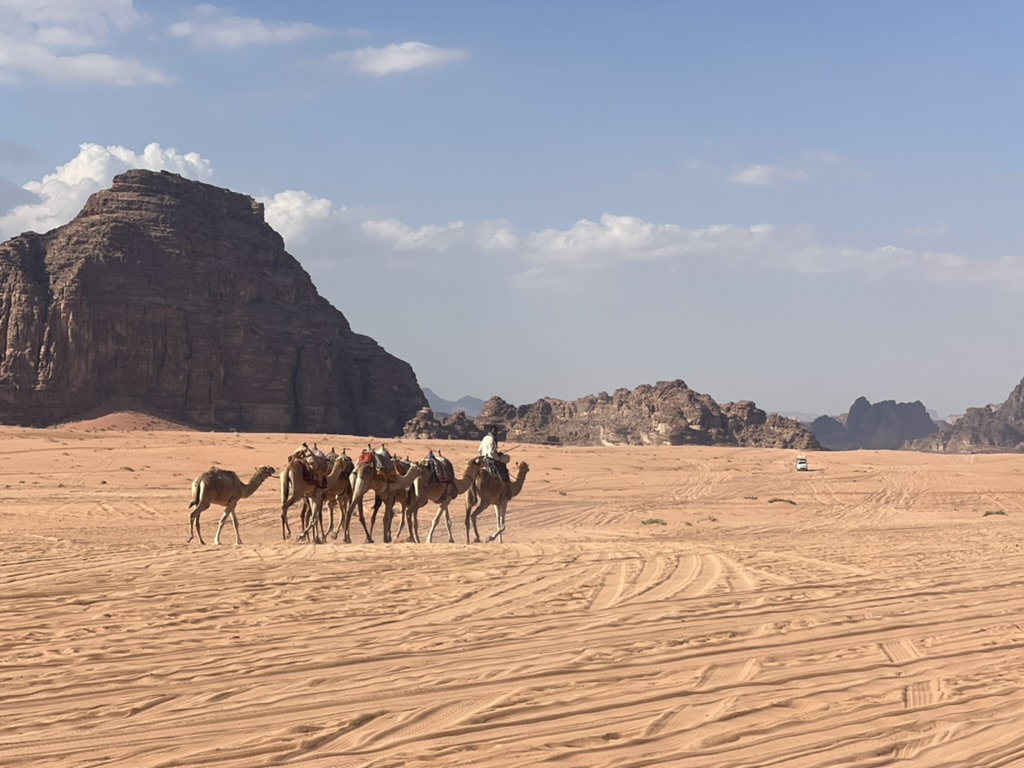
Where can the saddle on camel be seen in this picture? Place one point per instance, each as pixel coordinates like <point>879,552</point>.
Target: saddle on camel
<point>382,461</point>
<point>441,469</point>
<point>315,464</point>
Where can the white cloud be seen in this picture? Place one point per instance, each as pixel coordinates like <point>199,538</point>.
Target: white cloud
<point>293,214</point>
<point>766,175</point>
<point>57,41</point>
<point>399,57</point>
<point>759,174</point>
<point>402,237</point>
<point>63,193</point>
<point>211,27</point>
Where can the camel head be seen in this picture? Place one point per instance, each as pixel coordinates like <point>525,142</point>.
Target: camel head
<point>265,471</point>
<point>341,464</point>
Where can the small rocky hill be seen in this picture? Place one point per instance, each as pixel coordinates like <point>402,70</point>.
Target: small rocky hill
<point>176,298</point>
<point>666,413</point>
<point>879,426</point>
<point>987,429</point>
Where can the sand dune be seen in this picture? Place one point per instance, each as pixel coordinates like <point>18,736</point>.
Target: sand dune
<point>658,606</point>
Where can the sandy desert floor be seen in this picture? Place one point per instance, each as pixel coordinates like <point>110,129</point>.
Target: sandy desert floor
<point>649,606</point>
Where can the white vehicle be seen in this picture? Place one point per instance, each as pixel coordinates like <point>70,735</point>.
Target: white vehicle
<point>801,464</point>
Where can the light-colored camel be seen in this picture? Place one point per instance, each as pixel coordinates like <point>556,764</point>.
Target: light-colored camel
<point>223,488</point>
<point>427,488</point>
<point>365,479</point>
<point>299,484</point>
<point>338,492</point>
<point>490,491</point>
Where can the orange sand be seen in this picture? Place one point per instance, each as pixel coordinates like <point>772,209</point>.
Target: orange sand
<point>650,606</point>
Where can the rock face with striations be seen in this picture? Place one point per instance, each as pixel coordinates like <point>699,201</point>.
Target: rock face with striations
<point>987,429</point>
<point>177,298</point>
<point>667,413</point>
<point>879,426</point>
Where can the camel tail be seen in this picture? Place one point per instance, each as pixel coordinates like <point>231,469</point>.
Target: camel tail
<point>195,493</point>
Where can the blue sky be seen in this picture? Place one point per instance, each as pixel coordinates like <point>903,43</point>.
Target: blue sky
<point>796,203</point>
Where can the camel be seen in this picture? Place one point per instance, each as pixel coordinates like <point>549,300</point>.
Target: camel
<point>427,488</point>
<point>364,479</point>
<point>488,491</point>
<point>339,487</point>
<point>223,488</point>
<point>299,483</point>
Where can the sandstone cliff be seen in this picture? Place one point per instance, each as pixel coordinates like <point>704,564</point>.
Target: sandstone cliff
<point>882,425</point>
<point>987,429</point>
<point>176,297</point>
<point>666,413</point>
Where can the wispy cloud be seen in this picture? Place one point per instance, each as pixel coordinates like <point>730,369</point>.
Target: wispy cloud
<point>810,163</point>
<point>399,57</point>
<point>767,175</point>
<point>212,27</point>
<point>62,42</point>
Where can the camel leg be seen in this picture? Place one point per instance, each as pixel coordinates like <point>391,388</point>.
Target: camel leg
<point>448,524</point>
<point>433,525</point>
<point>309,522</point>
<point>499,513</point>
<point>362,520</point>
<point>319,535</point>
<point>402,518</point>
<point>373,516</point>
<point>413,514</point>
<point>193,523</point>
<point>229,511</point>
<point>331,504</point>
<point>346,519</point>
<point>234,523</point>
<point>286,530</point>
<point>471,515</point>
<point>389,515</point>
<point>442,510</point>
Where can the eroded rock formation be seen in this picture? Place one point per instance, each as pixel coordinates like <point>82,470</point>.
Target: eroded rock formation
<point>987,429</point>
<point>883,425</point>
<point>177,298</point>
<point>666,413</point>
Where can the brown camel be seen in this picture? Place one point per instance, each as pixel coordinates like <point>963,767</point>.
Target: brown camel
<point>300,484</point>
<point>365,478</point>
<point>223,488</point>
<point>489,491</point>
<point>339,488</point>
<point>427,488</point>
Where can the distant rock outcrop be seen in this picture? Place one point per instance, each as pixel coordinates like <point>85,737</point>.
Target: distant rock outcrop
<point>176,298</point>
<point>883,425</point>
<point>987,429</point>
<point>425,425</point>
<point>667,413</point>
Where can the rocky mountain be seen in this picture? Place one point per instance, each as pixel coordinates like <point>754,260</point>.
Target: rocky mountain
<point>666,413</point>
<point>988,429</point>
<point>176,297</point>
<point>468,405</point>
<point>883,425</point>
